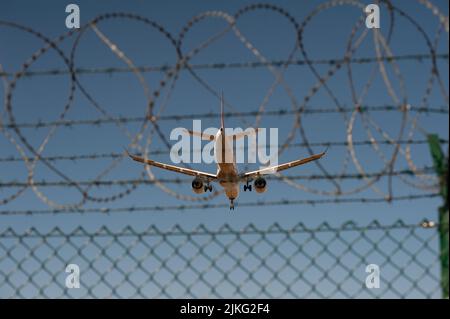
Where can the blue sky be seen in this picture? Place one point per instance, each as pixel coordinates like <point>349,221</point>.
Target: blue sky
<point>42,98</point>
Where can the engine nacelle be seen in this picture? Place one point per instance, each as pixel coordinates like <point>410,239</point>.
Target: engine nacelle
<point>260,185</point>
<point>197,186</point>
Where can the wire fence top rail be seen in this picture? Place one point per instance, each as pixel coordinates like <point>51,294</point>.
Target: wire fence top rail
<point>203,229</point>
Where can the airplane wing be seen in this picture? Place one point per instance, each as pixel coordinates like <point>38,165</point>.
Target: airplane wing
<point>281,167</point>
<point>204,137</point>
<point>174,168</point>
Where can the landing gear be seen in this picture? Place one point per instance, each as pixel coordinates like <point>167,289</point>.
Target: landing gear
<point>208,187</point>
<point>247,186</point>
<point>231,203</point>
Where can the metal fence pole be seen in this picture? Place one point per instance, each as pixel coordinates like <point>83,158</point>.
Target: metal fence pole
<point>441,167</point>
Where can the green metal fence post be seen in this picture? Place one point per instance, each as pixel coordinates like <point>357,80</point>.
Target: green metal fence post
<point>441,167</point>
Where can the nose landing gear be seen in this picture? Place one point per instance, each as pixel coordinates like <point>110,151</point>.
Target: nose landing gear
<point>231,203</point>
<point>208,187</point>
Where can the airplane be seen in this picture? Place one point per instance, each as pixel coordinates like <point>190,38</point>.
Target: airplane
<point>227,173</point>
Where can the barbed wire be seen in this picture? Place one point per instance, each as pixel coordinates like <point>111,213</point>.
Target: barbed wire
<point>182,207</point>
<point>113,155</point>
<point>122,182</point>
<point>239,65</point>
<point>408,125</point>
<point>175,117</point>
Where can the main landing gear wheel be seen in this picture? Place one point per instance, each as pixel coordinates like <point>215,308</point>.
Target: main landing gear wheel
<point>247,186</point>
<point>208,188</point>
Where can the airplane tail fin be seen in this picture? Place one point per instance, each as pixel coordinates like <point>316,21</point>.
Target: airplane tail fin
<point>222,116</point>
<point>247,133</point>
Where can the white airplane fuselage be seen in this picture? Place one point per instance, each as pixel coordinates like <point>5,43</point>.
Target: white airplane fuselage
<point>227,172</point>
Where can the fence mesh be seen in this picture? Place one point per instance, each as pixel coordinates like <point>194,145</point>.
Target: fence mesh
<point>227,262</point>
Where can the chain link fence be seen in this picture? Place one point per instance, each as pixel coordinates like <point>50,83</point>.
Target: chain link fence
<point>227,262</point>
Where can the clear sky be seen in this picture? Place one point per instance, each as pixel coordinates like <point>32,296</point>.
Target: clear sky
<point>326,36</point>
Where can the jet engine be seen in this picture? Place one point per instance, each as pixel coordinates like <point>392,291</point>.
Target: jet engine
<point>197,186</point>
<point>260,185</point>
